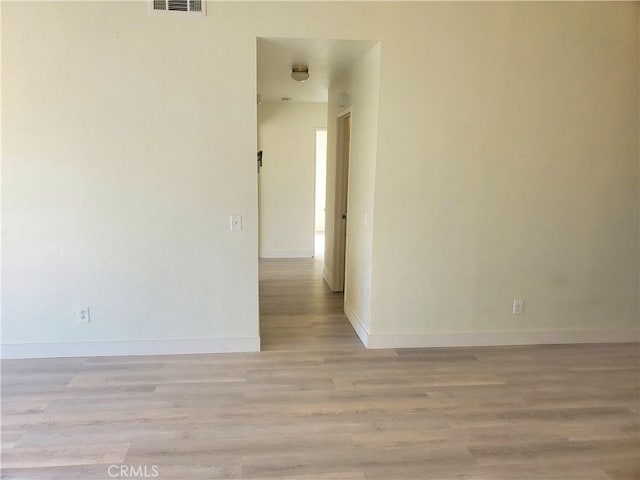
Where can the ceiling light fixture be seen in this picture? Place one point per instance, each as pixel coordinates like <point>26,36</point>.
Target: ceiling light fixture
<point>300,73</point>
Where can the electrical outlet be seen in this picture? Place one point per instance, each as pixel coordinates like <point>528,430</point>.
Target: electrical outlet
<point>83,315</point>
<point>518,307</point>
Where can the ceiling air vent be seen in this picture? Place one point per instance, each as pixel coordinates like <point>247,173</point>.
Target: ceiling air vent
<point>188,6</point>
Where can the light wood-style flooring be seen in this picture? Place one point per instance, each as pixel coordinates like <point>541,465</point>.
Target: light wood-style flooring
<point>316,405</point>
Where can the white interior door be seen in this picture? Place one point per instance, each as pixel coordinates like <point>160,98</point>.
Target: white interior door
<point>342,198</point>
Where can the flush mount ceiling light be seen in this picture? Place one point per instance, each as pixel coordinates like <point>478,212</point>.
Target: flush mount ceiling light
<point>300,73</point>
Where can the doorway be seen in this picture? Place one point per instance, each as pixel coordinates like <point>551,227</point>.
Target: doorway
<point>320,191</point>
<point>296,305</point>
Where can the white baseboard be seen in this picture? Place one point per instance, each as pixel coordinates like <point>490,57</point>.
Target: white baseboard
<point>143,347</point>
<point>327,276</point>
<point>481,339</point>
<point>486,339</point>
<point>287,254</point>
<point>356,323</point>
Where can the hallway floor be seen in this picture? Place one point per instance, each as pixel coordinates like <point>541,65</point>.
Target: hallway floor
<point>316,405</point>
<point>297,309</point>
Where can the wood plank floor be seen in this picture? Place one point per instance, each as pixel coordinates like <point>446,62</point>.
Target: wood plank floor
<point>316,405</point>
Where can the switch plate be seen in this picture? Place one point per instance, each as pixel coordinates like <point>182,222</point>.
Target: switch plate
<point>83,315</point>
<point>518,307</point>
<point>236,223</point>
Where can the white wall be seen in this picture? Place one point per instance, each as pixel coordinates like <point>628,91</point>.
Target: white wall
<point>514,175</point>
<point>506,166</point>
<point>124,152</point>
<point>361,82</point>
<point>287,136</point>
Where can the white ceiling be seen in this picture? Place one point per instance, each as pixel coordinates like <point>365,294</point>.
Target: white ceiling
<point>326,60</point>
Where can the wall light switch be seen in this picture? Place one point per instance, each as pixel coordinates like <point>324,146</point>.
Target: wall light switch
<point>236,223</point>
<point>518,307</point>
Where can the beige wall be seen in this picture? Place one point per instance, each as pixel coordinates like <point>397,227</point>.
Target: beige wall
<point>514,175</point>
<point>506,166</point>
<point>287,136</point>
<point>125,150</point>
